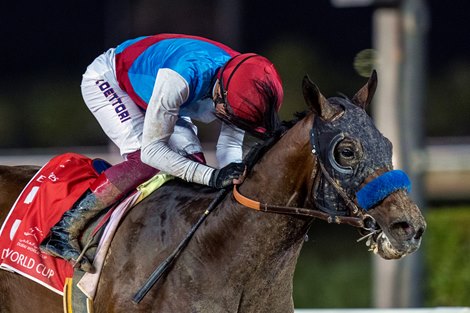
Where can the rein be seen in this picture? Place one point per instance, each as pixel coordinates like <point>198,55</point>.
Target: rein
<point>287,210</point>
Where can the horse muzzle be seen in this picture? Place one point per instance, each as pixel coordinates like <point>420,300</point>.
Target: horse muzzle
<point>400,237</point>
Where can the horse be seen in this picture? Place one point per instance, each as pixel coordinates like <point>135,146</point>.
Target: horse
<point>243,256</point>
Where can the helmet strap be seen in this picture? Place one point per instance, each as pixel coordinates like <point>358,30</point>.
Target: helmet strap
<point>224,90</point>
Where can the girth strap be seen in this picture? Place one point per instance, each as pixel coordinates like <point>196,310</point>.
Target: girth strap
<point>269,208</point>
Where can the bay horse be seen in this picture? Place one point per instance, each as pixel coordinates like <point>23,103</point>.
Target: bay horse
<point>241,259</point>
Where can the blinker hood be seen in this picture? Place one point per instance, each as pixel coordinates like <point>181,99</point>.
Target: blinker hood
<point>376,154</point>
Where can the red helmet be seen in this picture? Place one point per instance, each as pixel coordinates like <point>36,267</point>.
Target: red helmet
<point>252,92</point>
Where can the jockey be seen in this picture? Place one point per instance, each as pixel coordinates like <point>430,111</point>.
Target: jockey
<point>144,94</point>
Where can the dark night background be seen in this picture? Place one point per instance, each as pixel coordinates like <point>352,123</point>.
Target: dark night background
<point>47,36</point>
<point>46,46</point>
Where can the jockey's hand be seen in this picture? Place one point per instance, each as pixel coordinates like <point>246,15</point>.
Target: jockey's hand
<point>231,174</point>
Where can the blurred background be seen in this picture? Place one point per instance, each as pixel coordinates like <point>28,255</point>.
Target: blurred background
<point>46,46</point>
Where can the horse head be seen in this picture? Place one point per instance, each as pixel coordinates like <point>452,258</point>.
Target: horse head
<point>356,176</point>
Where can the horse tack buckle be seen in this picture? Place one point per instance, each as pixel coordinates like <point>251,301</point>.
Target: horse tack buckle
<point>334,218</point>
<point>312,141</point>
<point>370,224</point>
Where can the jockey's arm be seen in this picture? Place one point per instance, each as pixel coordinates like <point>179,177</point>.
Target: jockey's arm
<point>169,93</point>
<point>229,145</point>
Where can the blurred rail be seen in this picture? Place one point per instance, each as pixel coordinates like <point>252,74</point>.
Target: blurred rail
<point>447,170</point>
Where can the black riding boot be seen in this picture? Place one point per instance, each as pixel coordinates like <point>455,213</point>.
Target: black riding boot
<point>63,238</point>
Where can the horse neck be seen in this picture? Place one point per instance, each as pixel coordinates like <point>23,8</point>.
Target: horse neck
<point>273,241</point>
<point>284,176</point>
<point>285,173</point>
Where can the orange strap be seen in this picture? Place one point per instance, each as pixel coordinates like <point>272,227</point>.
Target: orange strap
<point>357,221</point>
<point>244,200</point>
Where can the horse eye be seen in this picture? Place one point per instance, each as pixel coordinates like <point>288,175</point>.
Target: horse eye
<point>347,153</point>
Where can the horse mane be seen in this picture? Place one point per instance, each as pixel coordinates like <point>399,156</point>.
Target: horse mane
<point>260,148</point>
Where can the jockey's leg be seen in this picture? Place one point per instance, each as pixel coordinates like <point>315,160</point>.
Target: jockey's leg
<point>108,188</point>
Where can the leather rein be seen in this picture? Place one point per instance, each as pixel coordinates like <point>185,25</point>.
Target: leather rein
<point>271,208</point>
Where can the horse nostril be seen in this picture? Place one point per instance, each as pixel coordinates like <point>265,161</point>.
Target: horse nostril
<point>419,233</point>
<point>403,229</point>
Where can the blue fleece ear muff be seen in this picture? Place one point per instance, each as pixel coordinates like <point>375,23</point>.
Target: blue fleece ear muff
<point>379,188</point>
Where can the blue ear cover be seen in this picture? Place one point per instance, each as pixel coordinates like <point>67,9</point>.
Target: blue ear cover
<point>381,187</point>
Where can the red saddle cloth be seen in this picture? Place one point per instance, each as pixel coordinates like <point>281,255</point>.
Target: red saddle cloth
<point>51,192</point>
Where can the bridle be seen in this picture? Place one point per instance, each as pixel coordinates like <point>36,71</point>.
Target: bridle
<point>377,188</point>
<point>357,218</point>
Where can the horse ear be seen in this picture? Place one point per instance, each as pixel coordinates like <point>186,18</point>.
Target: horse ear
<point>319,104</point>
<point>364,96</point>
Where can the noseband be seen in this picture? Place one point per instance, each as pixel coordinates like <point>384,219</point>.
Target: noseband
<point>368,196</point>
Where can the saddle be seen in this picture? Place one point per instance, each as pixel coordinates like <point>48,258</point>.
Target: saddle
<point>51,192</point>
